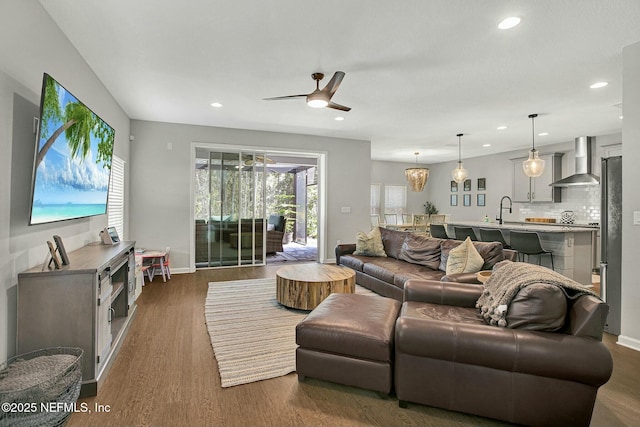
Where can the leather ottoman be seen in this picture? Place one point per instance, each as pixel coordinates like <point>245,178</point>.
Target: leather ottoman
<point>348,339</point>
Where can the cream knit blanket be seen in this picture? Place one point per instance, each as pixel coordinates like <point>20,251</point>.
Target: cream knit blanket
<point>505,283</point>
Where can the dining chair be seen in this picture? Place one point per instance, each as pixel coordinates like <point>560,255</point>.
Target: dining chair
<point>391,219</point>
<point>437,219</point>
<point>420,222</point>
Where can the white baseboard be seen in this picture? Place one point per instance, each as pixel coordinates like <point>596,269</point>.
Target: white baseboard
<point>180,270</point>
<point>329,261</point>
<point>629,342</point>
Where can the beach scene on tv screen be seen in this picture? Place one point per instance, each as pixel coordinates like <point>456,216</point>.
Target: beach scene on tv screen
<point>73,160</point>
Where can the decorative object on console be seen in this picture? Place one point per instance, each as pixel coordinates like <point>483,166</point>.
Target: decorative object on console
<point>61,250</point>
<point>54,256</point>
<point>459,174</point>
<point>534,165</point>
<point>109,236</point>
<point>417,177</point>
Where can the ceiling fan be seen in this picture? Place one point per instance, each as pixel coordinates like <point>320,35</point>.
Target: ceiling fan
<point>320,98</point>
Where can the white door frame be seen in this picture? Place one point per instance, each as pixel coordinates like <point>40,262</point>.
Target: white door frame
<point>321,160</point>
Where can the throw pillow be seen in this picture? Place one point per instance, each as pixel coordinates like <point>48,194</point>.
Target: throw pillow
<point>537,307</point>
<point>464,259</point>
<point>369,244</point>
<point>422,250</point>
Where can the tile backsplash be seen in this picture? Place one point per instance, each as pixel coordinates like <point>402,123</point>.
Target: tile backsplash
<point>583,201</point>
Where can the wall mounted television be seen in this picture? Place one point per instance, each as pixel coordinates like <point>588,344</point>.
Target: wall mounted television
<point>72,162</point>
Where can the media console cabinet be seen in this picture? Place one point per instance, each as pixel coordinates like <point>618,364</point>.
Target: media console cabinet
<point>89,303</point>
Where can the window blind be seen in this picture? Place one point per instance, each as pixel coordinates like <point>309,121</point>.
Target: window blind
<point>395,199</point>
<point>115,208</point>
<point>375,199</point>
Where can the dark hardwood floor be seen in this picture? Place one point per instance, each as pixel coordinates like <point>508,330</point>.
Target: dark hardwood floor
<point>166,375</point>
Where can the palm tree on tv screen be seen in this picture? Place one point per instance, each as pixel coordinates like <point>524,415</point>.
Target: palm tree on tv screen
<point>78,123</point>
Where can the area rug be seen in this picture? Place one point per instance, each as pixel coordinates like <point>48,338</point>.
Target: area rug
<point>252,335</point>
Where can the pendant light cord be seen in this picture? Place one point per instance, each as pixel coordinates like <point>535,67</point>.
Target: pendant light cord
<point>459,148</point>
<point>533,132</point>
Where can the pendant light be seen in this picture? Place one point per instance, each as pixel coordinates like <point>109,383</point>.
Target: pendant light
<point>459,174</point>
<point>534,165</point>
<point>417,177</point>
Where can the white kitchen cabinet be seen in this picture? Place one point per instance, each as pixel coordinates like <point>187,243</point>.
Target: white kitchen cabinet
<point>530,190</point>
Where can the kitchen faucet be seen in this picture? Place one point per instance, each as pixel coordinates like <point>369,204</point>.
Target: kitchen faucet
<point>501,208</point>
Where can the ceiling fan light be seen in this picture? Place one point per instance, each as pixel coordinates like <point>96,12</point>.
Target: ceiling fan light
<point>534,165</point>
<point>317,100</point>
<point>459,174</point>
<point>317,103</point>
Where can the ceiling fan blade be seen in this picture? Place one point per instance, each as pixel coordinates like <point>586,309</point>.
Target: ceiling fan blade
<point>338,106</point>
<point>284,97</point>
<point>333,84</point>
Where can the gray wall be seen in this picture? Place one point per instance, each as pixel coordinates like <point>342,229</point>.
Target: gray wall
<point>630,333</point>
<point>31,44</point>
<point>160,181</point>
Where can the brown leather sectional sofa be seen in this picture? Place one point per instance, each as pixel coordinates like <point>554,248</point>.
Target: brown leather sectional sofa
<point>413,256</point>
<point>448,357</point>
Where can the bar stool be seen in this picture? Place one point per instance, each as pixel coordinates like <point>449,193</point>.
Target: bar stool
<point>528,243</point>
<point>463,232</point>
<point>438,230</point>
<point>493,235</point>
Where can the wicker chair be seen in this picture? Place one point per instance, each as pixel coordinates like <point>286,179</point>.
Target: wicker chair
<point>274,237</point>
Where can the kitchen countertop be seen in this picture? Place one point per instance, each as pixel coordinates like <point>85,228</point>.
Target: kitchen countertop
<point>529,226</point>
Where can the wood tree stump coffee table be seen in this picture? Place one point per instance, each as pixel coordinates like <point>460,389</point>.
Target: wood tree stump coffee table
<point>304,286</point>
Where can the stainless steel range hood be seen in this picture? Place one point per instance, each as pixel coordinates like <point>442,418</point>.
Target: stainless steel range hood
<point>583,175</point>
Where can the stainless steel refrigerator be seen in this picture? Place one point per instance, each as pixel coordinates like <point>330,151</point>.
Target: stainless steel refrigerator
<point>611,240</point>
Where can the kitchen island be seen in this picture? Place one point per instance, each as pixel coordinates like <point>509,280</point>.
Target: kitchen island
<point>573,246</point>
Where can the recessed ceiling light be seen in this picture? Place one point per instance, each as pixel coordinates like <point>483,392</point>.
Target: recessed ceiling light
<point>486,145</point>
<point>501,127</point>
<point>339,118</point>
<point>621,117</point>
<point>543,134</point>
<point>216,104</point>
<point>509,23</point>
<point>598,85</point>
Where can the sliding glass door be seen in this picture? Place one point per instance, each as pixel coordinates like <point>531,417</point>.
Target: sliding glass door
<point>229,208</point>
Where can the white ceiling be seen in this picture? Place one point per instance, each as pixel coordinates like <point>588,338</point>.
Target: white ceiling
<point>417,72</point>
